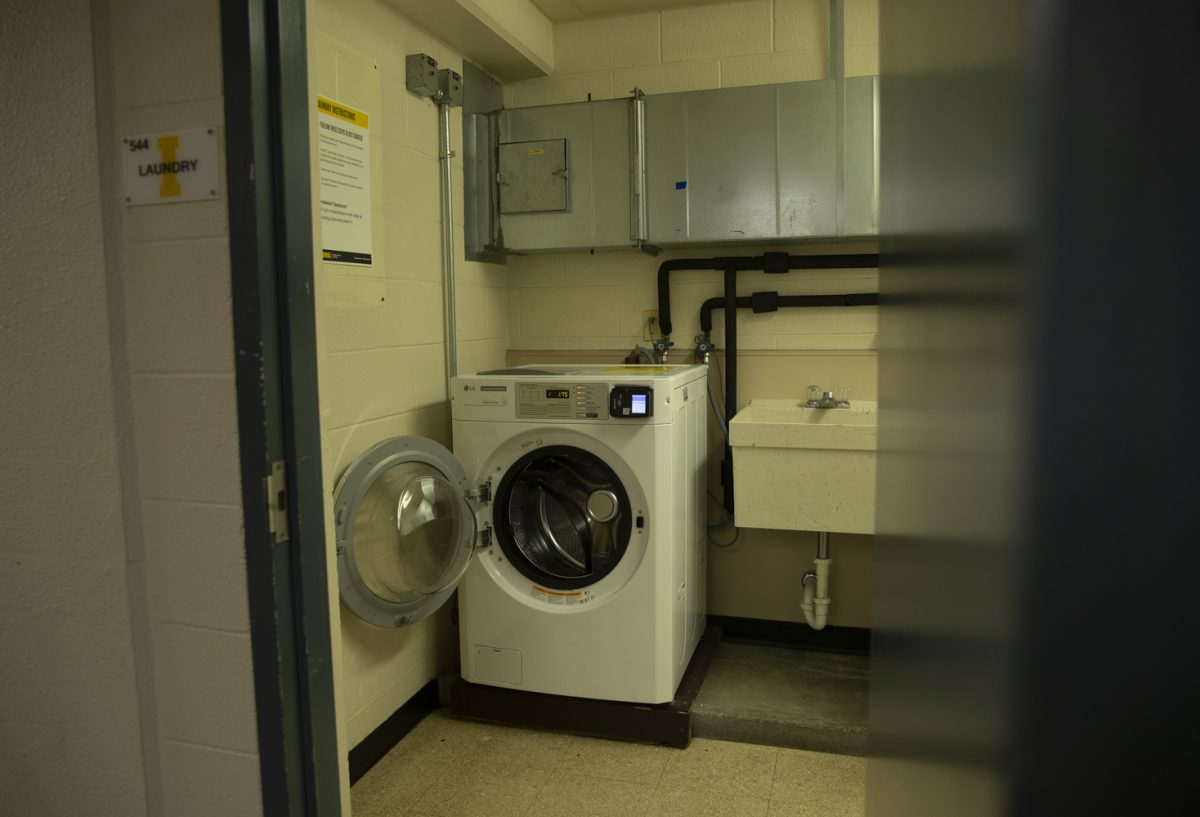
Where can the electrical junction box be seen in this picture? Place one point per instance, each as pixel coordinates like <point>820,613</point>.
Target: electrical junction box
<point>421,74</point>
<point>450,87</point>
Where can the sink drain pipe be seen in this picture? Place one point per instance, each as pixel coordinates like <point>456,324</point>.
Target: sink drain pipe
<point>815,602</point>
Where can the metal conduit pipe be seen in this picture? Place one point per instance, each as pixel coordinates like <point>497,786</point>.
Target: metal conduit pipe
<point>761,302</point>
<point>445,156</point>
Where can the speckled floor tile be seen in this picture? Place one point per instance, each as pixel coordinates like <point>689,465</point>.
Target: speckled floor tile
<point>791,808</point>
<point>676,802</point>
<point>717,765</point>
<point>815,777</point>
<point>451,768</point>
<point>581,796</point>
<point>482,793</point>
<point>615,760</point>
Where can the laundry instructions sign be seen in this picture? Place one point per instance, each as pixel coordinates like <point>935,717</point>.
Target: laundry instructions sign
<point>160,168</point>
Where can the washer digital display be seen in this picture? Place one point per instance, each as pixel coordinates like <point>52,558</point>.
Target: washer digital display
<point>631,402</point>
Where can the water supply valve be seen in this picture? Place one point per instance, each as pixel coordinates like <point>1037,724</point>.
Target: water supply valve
<point>661,347</point>
<point>703,347</point>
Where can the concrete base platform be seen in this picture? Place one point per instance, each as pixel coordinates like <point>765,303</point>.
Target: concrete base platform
<point>781,696</point>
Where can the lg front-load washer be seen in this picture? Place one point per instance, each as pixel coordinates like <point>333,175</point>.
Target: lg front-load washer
<point>574,505</point>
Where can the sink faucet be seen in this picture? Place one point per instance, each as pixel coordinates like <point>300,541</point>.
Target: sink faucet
<point>817,398</point>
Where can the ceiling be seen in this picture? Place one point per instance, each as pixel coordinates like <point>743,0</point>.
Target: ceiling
<point>561,11</point>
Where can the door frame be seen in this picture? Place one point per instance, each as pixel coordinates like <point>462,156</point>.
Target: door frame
<point>265,76</point>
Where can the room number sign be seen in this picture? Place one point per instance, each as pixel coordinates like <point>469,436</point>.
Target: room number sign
<point>160,168</point>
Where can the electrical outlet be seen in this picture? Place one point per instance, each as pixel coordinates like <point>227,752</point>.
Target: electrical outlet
<point>650,327</point>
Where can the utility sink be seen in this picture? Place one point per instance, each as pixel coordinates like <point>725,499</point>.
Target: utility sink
<point>800,468</point>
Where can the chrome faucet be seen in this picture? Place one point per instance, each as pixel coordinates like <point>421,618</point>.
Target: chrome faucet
<point>817,398</point>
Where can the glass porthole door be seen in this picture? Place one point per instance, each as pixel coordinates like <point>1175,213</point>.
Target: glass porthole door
<point>405,530</point>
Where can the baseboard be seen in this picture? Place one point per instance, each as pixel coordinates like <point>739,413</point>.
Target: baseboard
<point>849,640</point>
<point>374,746</point>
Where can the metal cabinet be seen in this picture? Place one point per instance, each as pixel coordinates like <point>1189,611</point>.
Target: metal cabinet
<point>566,175</point>
<point>760,163</point>
<point>858,204</point>
<point>741,163</point>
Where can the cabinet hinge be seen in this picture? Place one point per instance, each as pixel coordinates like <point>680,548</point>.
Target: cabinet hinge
<point>277,501</point>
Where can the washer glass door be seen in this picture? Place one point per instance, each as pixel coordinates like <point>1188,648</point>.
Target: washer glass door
<point>562,517</point>
<point>405,530</point>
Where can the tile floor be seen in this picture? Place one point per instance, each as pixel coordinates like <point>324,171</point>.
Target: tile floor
<point>451,768</point>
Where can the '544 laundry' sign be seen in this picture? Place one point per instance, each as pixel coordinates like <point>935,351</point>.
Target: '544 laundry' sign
<point>175,166</point>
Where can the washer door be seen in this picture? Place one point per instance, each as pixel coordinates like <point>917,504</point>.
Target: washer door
<point>405,531</point>
<point>562,517</point>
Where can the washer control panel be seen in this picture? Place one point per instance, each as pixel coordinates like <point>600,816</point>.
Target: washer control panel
<point>631,402</point>
<point>560,401</point>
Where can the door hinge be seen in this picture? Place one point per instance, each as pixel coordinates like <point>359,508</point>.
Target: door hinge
<point>481,494</point>
<point>277,501</point>
<point>485,537</point>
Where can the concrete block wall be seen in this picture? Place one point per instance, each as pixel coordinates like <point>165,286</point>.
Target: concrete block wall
<point>173,274</point>
<point>380,330</point>
<point>71,737</point>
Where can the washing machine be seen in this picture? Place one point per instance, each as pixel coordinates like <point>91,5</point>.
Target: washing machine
<point>570,517</point>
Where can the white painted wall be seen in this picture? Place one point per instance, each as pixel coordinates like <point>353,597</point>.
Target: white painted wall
<point>124,654</point>
<point>380,330</point>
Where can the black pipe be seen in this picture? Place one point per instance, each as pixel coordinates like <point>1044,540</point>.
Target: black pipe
<point>730,379</point>
<point>762,302</point>
<point>774,262</point>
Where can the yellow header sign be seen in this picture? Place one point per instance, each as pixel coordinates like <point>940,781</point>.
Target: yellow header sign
<point>343,112</point>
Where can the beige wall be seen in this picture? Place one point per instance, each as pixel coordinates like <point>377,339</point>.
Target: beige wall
<point>125,650</point>
<point>581,302</point>
<point>70,725</point>
<point>380,330</point>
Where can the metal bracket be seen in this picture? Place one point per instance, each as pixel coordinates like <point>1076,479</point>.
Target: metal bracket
<point>482,494</point>
<point>277,501</point>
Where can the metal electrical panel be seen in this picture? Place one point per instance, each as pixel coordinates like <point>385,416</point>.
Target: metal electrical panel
<point>533,177</point>
<point>597,184</point>
<point>742,163</point>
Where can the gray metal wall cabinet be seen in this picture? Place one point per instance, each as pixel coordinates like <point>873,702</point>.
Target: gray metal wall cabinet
<point>599,160</point>
<point>742,163</point>
<point>858,206</point>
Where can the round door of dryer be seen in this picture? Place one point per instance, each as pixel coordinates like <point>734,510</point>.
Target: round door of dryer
<point>562,517</point>
<point>405,530</point>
